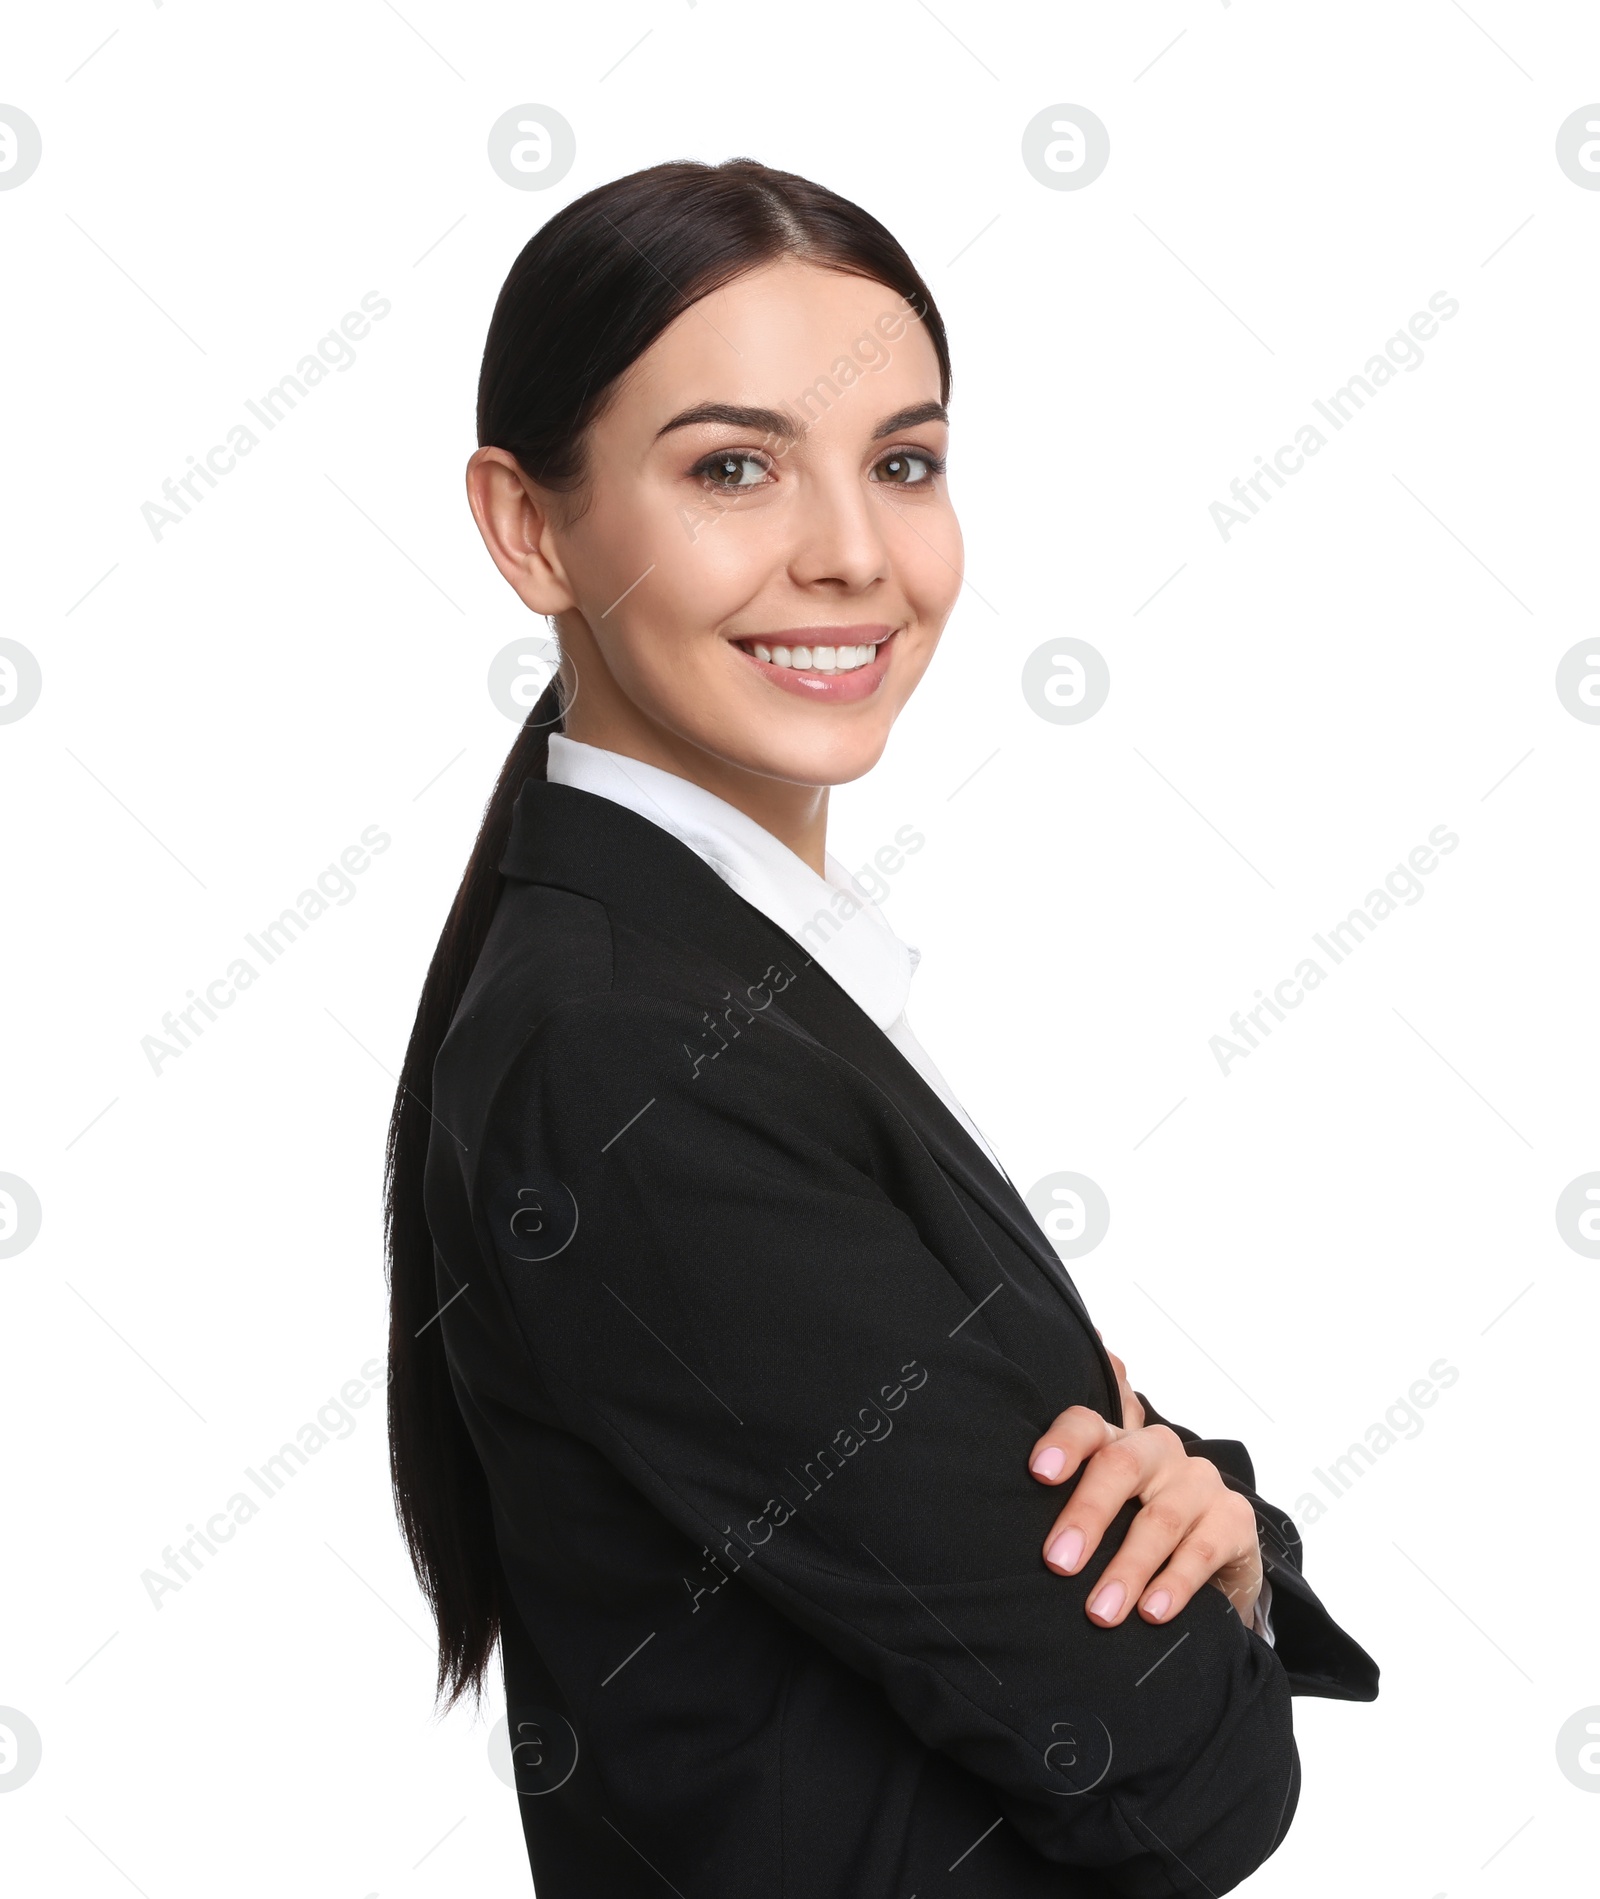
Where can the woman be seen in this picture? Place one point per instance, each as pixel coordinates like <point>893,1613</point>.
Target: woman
<point>734,1389</point>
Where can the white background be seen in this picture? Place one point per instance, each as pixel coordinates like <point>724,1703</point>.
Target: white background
<point>1291,711</point>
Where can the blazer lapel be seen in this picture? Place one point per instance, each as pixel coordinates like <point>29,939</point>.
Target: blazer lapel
<point>579,841</point>
<point>836,1021</point>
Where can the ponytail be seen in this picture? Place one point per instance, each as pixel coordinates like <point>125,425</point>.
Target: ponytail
<point>440,1494</point>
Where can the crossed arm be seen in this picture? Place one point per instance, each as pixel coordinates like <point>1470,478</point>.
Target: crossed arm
<point>738,1293</point>
<point>1200,1515</point>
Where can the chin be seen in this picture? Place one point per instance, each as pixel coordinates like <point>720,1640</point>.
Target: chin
<point>815,759</point>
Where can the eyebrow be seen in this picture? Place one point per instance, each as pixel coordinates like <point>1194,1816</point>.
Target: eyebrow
<point>773,422</point>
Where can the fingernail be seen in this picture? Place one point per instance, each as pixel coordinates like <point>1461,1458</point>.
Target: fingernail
<point>1049,1463</point>
<point>1066,1550</point>
<point>1108,1602</point>
<point>1159,1604</point>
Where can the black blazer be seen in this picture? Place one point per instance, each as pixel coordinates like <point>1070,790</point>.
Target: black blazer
<point>753,1342</point>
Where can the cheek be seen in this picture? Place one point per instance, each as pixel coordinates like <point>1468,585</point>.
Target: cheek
<point>929,565</point>
<point>704,563</point>
<point>725,565</point>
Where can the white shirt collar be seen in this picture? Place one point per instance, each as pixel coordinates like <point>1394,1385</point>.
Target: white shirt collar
<point>832,918</point>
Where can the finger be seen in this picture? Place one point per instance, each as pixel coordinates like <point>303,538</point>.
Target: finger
<point>1153,1539</point>
<point>1076,1434</point>
<point>1126,1467</point>
<point>1220,1548</point>
<point>1132,1410</point>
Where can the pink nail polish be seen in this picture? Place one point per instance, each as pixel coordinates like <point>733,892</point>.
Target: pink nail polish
<point>1067,1550</point>
<point>1049,1463</point>
<point>1159,1604</point>
<point>1108,1602</point>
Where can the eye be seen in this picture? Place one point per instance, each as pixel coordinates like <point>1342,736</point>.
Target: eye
<point>728,468</point>
<point>909,468</point>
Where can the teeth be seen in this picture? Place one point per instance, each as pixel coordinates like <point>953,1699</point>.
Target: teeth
<point>822,659</point>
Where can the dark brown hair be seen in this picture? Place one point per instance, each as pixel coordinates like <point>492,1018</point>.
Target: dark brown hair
<point>587,296</point>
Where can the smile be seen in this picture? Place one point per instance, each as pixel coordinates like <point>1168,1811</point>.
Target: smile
<point>822,659</point>
<point>827,665</point>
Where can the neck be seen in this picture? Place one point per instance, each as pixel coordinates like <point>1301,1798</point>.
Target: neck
<point>796,815</point>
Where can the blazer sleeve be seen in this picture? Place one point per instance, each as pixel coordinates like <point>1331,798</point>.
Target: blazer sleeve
<point>1318,1656</point>
<point>718,1292</point>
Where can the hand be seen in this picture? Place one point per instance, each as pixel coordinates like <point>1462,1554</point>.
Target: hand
<point>1191,1523</point>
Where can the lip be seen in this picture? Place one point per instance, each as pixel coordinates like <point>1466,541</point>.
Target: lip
<point>825,688</point>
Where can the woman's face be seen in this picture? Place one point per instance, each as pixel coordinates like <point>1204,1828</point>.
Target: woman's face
<point>768,553</point>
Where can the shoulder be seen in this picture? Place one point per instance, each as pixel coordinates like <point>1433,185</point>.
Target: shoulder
<point>586,1045</point>
<point>651,1110</point>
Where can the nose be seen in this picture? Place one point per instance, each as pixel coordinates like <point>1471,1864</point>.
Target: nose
<point>838,533</point>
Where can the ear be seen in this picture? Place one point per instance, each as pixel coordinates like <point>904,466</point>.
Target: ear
<point>514,516</point>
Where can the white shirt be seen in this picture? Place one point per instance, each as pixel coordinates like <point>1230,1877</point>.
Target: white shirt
<point>832,917</point>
